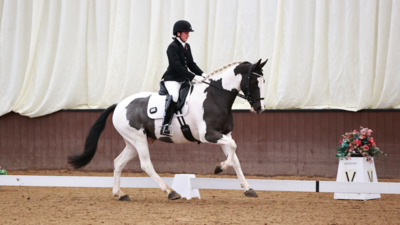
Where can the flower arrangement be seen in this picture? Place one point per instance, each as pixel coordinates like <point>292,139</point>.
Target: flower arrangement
<point>3,171</point>
<point>358,144</point>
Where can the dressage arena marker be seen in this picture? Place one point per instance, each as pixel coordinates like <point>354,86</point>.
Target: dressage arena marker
<point>188,185</point>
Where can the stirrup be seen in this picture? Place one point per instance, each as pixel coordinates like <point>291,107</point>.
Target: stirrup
<point>165,130</point>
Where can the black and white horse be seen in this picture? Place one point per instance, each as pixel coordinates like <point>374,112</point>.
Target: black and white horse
<point>208,113</point>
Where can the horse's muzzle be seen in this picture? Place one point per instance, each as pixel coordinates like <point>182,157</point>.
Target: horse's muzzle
<point>257,110</point>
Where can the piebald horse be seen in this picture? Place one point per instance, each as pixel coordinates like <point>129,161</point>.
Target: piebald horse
<point>209,116</point>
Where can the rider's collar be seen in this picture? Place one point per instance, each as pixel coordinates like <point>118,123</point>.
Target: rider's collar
<point>180,41</point>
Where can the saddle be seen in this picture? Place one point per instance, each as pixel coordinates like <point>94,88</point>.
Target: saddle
<point>186,87</point>
<point>156,107</point>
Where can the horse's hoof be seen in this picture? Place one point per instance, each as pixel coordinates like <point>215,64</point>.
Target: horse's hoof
<point>173,195</point>
<point>251,193</point>
<point>218,170</point>
<point>124,198</point>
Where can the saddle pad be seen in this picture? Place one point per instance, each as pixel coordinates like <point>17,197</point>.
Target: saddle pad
<point>156,107</point>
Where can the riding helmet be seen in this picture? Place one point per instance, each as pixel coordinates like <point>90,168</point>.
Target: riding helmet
<point>182,26</point>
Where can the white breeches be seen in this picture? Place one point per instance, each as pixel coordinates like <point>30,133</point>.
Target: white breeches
<point>173,89</point>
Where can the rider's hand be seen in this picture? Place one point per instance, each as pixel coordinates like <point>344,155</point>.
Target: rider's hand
<point>204,75</point>
<point>197,79</point>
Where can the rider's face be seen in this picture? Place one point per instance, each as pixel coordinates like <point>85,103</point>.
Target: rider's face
<point>184,36</point>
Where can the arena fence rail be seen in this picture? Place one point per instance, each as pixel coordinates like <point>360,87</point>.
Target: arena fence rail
<point>187,184</point>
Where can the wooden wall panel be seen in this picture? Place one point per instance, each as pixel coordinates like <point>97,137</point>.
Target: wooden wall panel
<point>301,143</point>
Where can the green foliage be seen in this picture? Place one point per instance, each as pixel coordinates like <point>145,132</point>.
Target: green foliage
<point>358,144</point>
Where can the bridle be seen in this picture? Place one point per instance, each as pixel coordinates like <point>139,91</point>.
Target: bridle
<point>247,94</point>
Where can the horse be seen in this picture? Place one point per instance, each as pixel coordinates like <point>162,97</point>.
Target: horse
<point>209,116</point>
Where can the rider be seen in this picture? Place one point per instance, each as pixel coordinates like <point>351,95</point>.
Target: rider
<point>180,62</point>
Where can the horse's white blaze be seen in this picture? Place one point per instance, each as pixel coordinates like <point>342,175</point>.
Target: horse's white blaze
<point>261,87</point>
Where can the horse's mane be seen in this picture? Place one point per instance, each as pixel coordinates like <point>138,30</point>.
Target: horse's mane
<point>217,71</point>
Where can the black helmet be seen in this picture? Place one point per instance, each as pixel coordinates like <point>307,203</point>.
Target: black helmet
<point>182,26</point>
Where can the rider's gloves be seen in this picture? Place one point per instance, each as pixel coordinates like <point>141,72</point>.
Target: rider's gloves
<point>197,79</point>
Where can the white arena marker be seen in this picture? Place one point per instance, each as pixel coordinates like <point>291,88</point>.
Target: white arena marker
<point>183,185</point>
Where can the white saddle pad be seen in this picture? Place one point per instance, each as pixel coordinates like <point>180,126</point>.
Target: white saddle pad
<point>156,106</point>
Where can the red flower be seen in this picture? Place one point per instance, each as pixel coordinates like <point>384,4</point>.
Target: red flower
<point>372,140</point>
<point>358,142</point>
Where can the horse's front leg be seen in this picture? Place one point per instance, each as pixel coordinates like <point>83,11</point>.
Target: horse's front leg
<point>228,146</point>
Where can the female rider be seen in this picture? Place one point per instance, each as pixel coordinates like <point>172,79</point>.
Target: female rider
<point>180,61</point>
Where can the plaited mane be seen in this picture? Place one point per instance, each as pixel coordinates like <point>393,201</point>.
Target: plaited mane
<point>222,69</point>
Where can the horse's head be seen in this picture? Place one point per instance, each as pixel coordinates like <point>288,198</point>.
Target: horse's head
<point>252,85</point>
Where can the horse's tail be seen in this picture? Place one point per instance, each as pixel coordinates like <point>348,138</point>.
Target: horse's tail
<point>80,160</point>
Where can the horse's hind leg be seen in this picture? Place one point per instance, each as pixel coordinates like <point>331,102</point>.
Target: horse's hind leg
<point>120,162</point>
<point>142,148</point>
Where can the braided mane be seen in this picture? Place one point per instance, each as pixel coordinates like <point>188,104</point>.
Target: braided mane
<point>223,68</point>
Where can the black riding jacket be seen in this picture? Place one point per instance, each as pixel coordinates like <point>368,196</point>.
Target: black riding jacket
<point>180,60</point>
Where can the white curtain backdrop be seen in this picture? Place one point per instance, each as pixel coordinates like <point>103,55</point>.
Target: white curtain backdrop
<point>88,54</point>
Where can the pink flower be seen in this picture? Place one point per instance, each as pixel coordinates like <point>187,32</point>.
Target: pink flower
<point>365,132</point>
<point>365,147</point>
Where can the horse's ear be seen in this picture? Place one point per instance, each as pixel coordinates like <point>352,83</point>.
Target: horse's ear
<point>263,64</point>
<point>257,64</point>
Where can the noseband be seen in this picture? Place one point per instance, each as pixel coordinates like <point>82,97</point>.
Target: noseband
<point>247,95</point>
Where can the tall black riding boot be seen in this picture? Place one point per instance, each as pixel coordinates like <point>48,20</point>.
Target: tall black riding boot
<point>170,108</point>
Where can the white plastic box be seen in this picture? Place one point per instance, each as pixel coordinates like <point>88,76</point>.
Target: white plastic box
<point>356,169</point>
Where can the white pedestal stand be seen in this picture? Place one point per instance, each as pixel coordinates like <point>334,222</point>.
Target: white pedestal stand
<point>183,186</point>
<point>356,169</point>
